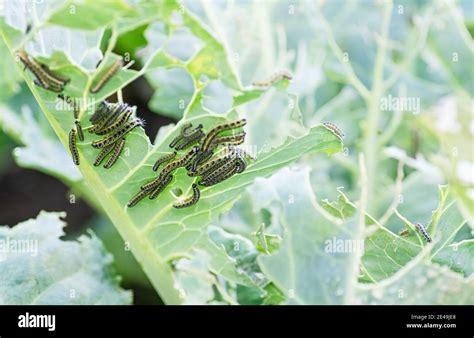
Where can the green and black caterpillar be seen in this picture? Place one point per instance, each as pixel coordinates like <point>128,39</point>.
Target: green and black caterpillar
<point>112,121</point>
<point>44,77</point>
<point>205,160</point>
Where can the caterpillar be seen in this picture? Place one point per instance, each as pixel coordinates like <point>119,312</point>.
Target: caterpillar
<point>175,141</point>
<point>103,154</point>
<point>212,174</point>
<point>211,164</point>
<point>232,139</point>
<point>220,178</point>
<point>179,162</point>
<point>107,76</point>
<point>54,76</point>
<point>185,128</point>
<point>190,200</point>
<point>115,154</point>
<point>73,146</point>
<point>118,123</point>
<point>160,187</point>
<point>334,128</point>
<point>79,131</point>
<point>206,141</point>
<point>164,159</point>
<point>108,119</point>
<point>190,140</point>
<point>201,157</point>
<point>118,134</point>
<point>101,111</point>
<point>421,229</point>
<point>282,75</point>
<point>183,133</point>
<point>51,87</point>
<point>44,78</point>
<point>137,198</point>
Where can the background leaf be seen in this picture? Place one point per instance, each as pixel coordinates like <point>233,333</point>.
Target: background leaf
<point>39,268</point>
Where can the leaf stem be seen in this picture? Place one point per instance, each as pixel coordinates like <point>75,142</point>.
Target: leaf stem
<point>371,129</point>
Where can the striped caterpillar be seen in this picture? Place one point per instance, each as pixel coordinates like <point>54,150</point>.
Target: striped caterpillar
<point>170,167</point>
<point>79,131</point>
<point>193,199</point>
<point>334,129</point>
<point>219,171</point>
<point>120,119</point>
<point>137,198</point>
<point>190,140</point>
<point>103,109</point>
<point>45,78</point>
<point>125,129</point>
<point>236,139</point>
<point>117,149</point>
<point>107,76</point>
<point>207,140</point>
<point>187,136</point>
<point>103,154</point>
<point>164,159</point>
<point>277,77</point>
<point>115,111</point>
<point>112,120</point>
<point>421,229</point>
<point>157,190</point>
<point>73,146</point>
<point>213,163</point>
<point>199,161</point>
<point>222,177</point>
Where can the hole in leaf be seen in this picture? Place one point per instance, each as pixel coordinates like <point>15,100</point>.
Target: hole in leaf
<point>177,192</point>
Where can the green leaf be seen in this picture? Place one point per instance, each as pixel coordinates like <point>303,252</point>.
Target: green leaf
<point>267,243</point>
<point>90,15</point>
<point>10,74</point>
<point>39,268</point>
<point>194,280</point>
<point>458,256</point>
<point>174,90</point>
<point>309,268</point>
<point>386,252</point>
<point>419,283</point>
<point>241,250</point>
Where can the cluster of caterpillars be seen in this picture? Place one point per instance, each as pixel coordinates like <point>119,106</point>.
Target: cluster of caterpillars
<point>44,77</point>
<point>112,121</point>
<point>49,80</point>
<point>204,160</point>
<point>213,157</point>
